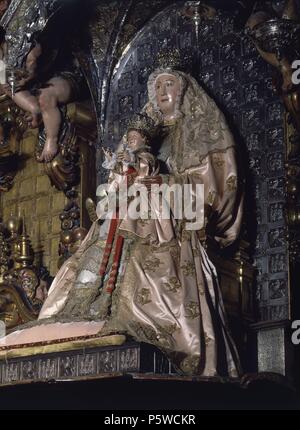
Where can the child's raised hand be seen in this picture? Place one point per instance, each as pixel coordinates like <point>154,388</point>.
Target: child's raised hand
<point>107,152</point>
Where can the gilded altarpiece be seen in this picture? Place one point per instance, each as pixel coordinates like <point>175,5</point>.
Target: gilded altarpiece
<point>125,39</point>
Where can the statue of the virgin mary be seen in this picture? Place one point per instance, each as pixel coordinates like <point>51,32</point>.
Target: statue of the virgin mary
<point>166,293</point>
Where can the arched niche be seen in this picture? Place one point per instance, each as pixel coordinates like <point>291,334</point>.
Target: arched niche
<point>225,62</point>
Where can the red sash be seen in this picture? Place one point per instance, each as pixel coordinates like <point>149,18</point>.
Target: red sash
<point>119,240</point>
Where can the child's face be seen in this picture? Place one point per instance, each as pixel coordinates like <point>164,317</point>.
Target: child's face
<point>135,140</point>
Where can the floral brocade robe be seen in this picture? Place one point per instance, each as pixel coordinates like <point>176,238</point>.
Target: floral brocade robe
<point>168,294</point>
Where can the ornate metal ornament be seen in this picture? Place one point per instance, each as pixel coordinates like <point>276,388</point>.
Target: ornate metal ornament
<point>198,11</point>
<point>276,35</point>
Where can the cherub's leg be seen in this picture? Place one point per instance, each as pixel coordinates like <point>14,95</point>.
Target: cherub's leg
<point>26,101</point>
<point>58,92</point>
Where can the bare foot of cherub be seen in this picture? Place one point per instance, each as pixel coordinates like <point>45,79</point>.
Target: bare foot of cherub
<point>49,151</point>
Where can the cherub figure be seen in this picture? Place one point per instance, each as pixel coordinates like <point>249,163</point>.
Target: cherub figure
<point>43,103</point>
<point>45,74</point>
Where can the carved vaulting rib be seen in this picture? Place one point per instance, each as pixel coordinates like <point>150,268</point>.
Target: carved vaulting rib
<point>112,28</point>
<point>21,20</point>
<point>110,58</point>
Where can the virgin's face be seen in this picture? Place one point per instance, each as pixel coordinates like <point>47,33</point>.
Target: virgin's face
<point>167,89</point>
<point>135,140</point>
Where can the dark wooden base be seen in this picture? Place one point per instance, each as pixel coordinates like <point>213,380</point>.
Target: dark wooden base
<point>132,376</point>
<point>82,364</point>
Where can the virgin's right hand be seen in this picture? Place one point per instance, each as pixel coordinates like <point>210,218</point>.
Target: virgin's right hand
<point>120,156</point>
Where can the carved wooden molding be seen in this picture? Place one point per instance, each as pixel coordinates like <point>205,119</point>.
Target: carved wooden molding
<point>74,172</point>
<point>237,275</point>
<point>12,126</point>
<point>15,308</point>
<point>78,130</point>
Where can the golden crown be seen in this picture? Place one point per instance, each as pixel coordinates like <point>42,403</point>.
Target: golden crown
<point>144,123</point>
<point>169,59</point>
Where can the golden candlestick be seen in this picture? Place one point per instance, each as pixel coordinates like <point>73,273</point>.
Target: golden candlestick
<point>25,253</point>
